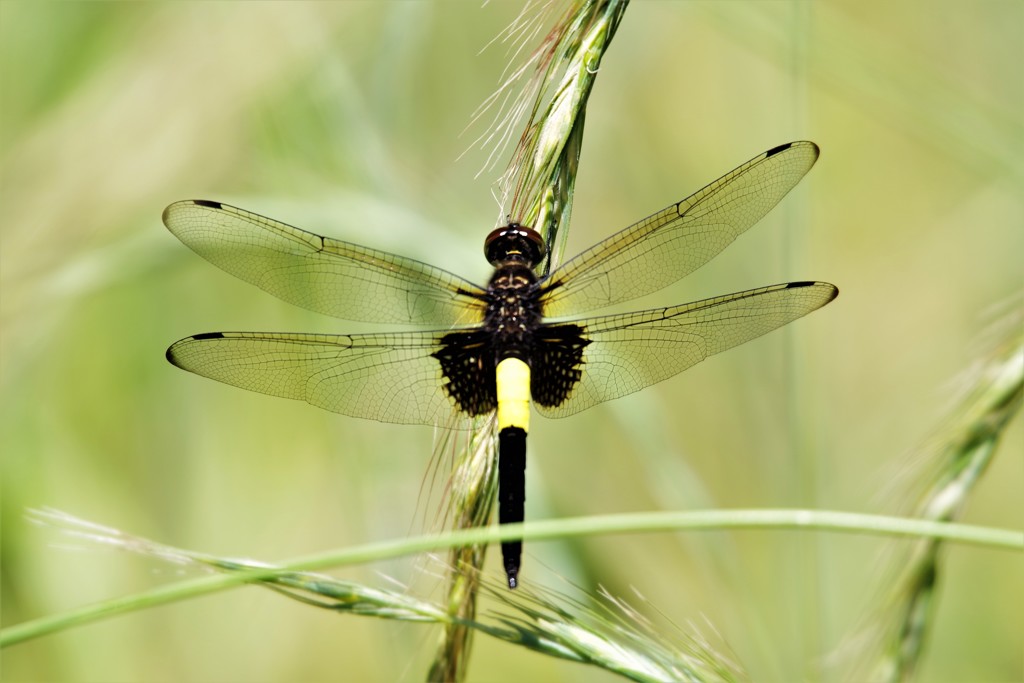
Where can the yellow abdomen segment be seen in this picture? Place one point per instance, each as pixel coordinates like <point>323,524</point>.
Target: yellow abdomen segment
<point>513,380</point>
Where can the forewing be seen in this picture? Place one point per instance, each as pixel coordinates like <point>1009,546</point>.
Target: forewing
<point>325,275</point>
<point>632,351</point>
<point>385,377</point>
<point>674,242</point>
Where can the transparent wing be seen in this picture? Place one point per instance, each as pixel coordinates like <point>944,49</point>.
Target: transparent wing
<point>324,275</point>
<point>385,377</point>
<point>674,242</point>
<point>632,351</point>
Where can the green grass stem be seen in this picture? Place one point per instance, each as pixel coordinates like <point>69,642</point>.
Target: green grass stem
<point>695,520</point>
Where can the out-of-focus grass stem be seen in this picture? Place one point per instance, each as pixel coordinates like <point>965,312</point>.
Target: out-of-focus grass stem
<point>962,452</point>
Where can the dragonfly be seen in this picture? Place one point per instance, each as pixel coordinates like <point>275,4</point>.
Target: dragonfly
<point>499,348</point>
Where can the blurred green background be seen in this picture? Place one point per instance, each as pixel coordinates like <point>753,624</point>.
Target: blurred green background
<point>348,119</point>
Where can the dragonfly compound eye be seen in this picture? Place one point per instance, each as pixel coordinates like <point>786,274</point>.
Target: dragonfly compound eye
<point>514,242</point>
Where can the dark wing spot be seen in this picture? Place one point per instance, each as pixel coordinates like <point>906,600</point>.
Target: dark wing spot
<point>557,363</point>
<point>207,203</point>
<point>775,150</point>
<point>170,353</point>
<point>467,363</point>
<point>808,283</point>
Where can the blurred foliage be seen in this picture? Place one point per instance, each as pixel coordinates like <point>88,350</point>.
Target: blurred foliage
<point>349,119</point>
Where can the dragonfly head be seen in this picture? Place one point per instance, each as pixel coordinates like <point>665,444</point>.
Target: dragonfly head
<point>514,243</point>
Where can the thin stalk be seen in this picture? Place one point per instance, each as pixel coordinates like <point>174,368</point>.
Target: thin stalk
<point>699,520</point>
<point>960,455</point>
<point>471,500</point>
<point>543,173</point>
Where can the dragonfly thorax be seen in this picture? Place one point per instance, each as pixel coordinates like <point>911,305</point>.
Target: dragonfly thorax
<point>513,311</point>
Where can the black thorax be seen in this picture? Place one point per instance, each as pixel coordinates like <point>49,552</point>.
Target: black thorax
<point>513,311</point>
